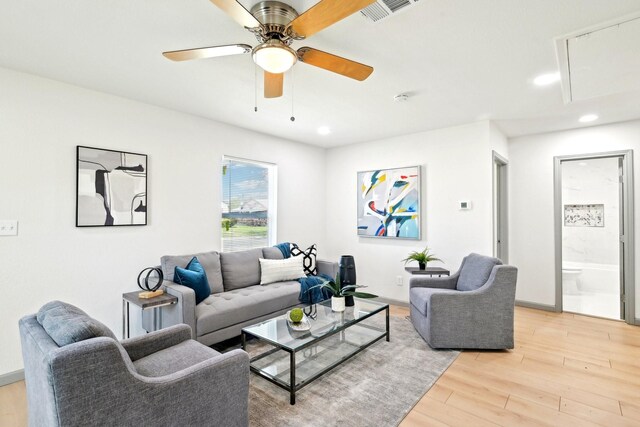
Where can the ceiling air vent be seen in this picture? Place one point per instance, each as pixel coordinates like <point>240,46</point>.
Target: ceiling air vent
<point>600,61</point>
<point>382,9</point>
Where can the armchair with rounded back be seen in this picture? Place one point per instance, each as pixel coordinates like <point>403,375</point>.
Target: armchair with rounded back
<point>78,374</point>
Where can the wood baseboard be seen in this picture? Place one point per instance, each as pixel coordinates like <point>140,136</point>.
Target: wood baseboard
<point>391,301</point>
<point>536,305</point>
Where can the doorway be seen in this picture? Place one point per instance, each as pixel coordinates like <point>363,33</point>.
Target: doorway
<point>500,223</point>
<point>594,235</point>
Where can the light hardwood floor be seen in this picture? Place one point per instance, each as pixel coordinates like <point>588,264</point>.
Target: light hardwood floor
<point>13,405</point>
<point>566,370</point>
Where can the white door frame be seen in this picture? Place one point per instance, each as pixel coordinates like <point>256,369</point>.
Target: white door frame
<point>627,239</point>
<point>500,207</point>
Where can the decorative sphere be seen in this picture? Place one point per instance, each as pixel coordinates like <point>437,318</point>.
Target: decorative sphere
<point>296,315</point>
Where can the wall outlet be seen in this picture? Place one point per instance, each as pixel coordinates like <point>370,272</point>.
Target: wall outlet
<point>8,228</point>
<point>399,280</point>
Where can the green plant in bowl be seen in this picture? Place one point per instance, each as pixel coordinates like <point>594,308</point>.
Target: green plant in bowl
<point>421,257</point>
<point>337,290</point>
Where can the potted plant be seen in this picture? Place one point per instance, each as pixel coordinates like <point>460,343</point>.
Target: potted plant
<point>422,258</point>
<point>338,292</point>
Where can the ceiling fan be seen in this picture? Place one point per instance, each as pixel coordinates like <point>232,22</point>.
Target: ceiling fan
<point>277,25</point>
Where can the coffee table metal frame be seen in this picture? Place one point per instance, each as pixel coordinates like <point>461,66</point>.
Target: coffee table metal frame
<point>293,387</point>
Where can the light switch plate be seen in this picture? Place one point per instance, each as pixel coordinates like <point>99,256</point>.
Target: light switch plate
<point>8,228</point>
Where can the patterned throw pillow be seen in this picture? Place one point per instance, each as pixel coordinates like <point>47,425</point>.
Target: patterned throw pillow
<point>308,258</point>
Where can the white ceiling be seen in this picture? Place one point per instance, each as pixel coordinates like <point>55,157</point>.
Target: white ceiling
<point>461,61</point>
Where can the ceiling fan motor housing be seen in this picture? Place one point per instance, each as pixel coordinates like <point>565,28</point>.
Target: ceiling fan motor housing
<point>274,16</point>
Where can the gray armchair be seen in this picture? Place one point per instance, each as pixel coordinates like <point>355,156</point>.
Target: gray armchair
<point>78,374</point>
<point>471,309</point>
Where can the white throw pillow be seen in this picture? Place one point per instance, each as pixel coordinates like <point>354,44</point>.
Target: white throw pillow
<point>280,270</point>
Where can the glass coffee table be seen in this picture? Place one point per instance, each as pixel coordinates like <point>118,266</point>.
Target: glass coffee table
<point>296,358</point>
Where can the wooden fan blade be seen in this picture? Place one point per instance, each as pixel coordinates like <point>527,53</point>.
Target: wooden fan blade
<point>207,52</point>
<point>239,14</point>
<point>335,64</point>
<point>325,13</point>
<point>273,84</point>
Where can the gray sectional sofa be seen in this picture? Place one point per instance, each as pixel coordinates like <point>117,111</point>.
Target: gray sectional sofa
<point>237,299</point>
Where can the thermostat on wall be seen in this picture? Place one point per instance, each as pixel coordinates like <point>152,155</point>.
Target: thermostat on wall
<point>464,205</point>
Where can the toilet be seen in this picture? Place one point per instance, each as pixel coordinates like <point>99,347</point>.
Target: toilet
<point>571,280</point>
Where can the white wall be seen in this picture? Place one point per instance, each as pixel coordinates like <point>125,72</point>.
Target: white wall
<point>42,121</point>
<point>532,204</point>
<point>497,141</point>
<point>456,165</point>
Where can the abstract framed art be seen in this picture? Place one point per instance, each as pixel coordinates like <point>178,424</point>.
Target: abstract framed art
<point>111,188</point>
<point>389,203</point>
<point>584,215</point>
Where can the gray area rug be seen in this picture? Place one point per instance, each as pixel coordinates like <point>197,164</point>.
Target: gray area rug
<point>378,386</point>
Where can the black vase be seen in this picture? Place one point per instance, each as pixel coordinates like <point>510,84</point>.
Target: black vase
<point>347,275</point>
<point>422,265</point>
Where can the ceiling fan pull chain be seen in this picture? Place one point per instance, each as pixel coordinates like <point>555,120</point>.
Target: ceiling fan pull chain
<point>255,86</point>
<point>293,118</point>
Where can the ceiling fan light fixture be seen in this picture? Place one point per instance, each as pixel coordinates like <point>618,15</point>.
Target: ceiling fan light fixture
<point>274,56</point>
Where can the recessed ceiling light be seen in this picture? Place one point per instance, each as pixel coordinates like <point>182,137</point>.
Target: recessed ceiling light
<point>324,130</point>
<point>588,118</point>
<point>546,79</point>
<point>582,164</point>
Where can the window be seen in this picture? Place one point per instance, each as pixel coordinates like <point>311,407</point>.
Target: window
<point>248,204</point>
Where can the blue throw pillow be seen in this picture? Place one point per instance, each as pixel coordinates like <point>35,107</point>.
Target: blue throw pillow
<point>194,277</point>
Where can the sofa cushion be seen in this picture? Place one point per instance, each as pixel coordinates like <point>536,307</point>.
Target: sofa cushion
<point>272,253</point>
<point>67,324</point>
<point>210,261</point>
<point>194,277</point>
<point>240,269</point>
<point>420,297</point>
<point>174,359</point>
<point>230,308</point>
<point>475,271</point>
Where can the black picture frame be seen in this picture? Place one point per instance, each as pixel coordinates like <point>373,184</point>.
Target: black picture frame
<point>96,168</point>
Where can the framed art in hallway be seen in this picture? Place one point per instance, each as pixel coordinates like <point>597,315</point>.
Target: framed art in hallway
<point>111,187</point>
<point>584,215</point>
<point>389,203</point>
